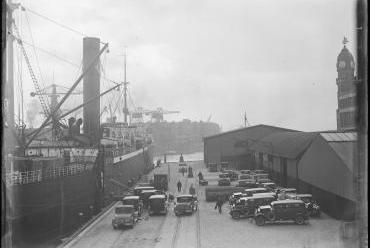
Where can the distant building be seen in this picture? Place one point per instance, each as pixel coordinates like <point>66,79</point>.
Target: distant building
<point>346,90</point>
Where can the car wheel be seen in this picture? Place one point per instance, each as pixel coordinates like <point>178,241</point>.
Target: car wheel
<point>235,215</point>
<point>260,220</point>
<point>299,220</point>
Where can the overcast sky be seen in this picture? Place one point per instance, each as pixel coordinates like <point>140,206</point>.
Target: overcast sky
<point>274,59</point>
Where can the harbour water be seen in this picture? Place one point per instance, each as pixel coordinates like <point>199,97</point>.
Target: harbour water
<point>197,156</point>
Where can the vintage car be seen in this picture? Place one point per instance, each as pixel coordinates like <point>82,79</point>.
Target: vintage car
<point>124,215</point>
<point>261,178</point>
<point>138,189</point>
<point>235,196</point>
<point>250,192</point>
<point>135,201</point>
<point>246,206</point>
<point>269,185</point>
<point>185,204</point>
<point>258,172</point>
<point>203,182</point>
<point>283,193</point>
<point>223,175</point>
<point>273,194</point>
<point>224,182</point>
<point>247,184</point>
<point>284,210</point>
<point>245,177</point>
<point>145,194</point>
<point>233,175</point>
<point>312,206</point>
<point>288,190</point>
<point>245,172</point>
<point>157,204</point>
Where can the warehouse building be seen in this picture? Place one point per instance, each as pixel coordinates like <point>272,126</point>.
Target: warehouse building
<point>320,163</point>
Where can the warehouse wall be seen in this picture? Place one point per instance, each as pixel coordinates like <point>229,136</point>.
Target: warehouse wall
<point>320,166</point>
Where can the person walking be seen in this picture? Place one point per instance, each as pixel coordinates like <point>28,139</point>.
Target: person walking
<point>179,185</point>
<point>200,175</point>
<point>219,204</point>
<point>192,190</point>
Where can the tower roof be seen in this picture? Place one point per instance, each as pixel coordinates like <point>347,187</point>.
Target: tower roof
<point>345,59</point>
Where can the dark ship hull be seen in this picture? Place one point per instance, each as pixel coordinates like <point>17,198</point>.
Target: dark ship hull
<point>43,209</point>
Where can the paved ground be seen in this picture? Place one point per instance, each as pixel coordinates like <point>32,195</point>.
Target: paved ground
<point>209,229</point>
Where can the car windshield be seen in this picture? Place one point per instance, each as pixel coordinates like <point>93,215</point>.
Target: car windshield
<point>184,199</point>
<point>306,199</point>
<point>124,210</point>
<point>130,201</point>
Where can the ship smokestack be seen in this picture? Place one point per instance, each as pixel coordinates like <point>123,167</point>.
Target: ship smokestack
<point>91,88</point>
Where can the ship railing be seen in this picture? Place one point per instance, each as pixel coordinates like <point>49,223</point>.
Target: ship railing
<point>16,178</point>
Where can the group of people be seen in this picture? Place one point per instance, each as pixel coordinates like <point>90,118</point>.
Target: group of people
<point>191,189</point>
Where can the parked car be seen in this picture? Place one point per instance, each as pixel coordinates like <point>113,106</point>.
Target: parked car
<point>250,192</point>
<point>245,177</point>
<point>312,206</point>
<point>157,204</point>
<point>224,182</point>
<point>223,175</point>
<point>247,184</point>
<point>144,185</point>
<point>135,201</point>
<point>185,204</point>
<point>235,196</point>
<point>124,215</point>
<point>246,206</point>
<point>258,172</point>
<point>245,172</point>
<point>138,189</point>
<point>263,178</point>
<point>203,182</point>
<point>233,175</point>
<point>282,211</point>
<point>273,194</point>
<point>145,194</point>
<point>284,192</point>
<point>269,185</point>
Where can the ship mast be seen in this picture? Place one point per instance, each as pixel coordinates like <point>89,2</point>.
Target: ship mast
<point>125,83</point>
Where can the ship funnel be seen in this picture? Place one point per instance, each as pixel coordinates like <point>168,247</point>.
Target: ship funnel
<point>91,89</point>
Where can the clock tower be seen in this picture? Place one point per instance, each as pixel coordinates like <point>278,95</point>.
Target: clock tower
<point>346,90</point>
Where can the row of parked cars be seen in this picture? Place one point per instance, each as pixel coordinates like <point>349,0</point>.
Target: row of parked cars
<point>264,201</point>
<point>244,178</point>
<point>155,201</point>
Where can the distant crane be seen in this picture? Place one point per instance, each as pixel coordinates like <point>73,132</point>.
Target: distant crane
<point>137,116</point>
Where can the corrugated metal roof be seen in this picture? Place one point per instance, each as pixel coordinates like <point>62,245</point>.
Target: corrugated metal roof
<point>285,144</point>
<point>339,136</point>
<point>267,129</point>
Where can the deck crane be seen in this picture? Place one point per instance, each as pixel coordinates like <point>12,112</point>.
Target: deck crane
<point>38,89</point>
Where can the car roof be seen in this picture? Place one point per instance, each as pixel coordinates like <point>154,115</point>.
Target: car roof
<point>286,201</point>
<point>125,206</point>
<point>284,189</point>
<point>260,174</point>
<point>266,193</point>
<point>252,189</point>
<point>237,193</point>
<point>144,187</point>
<point>269,183</point>
<point>188,195</point>
<point>303,195</point>
<point>157,197</point>
<point>149,191</point>
<point>131,197</point>
<point>256,197</point>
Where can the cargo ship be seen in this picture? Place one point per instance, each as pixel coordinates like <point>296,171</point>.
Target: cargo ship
<point>52,184</point>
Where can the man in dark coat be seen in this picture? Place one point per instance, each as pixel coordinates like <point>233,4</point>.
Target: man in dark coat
<point>179,185</point>
<point>219,204</point>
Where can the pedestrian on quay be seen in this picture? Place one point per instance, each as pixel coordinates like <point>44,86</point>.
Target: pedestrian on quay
<point>219,204</point>
<point>200,175</point>
<point>183,171</point>
<point>192,190</point>
<point>179,185</point>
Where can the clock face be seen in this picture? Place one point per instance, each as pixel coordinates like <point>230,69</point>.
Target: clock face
<point>352,65</point>
<point>342,64</point>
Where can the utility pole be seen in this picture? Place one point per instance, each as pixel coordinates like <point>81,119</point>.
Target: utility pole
<point>125,83</point>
